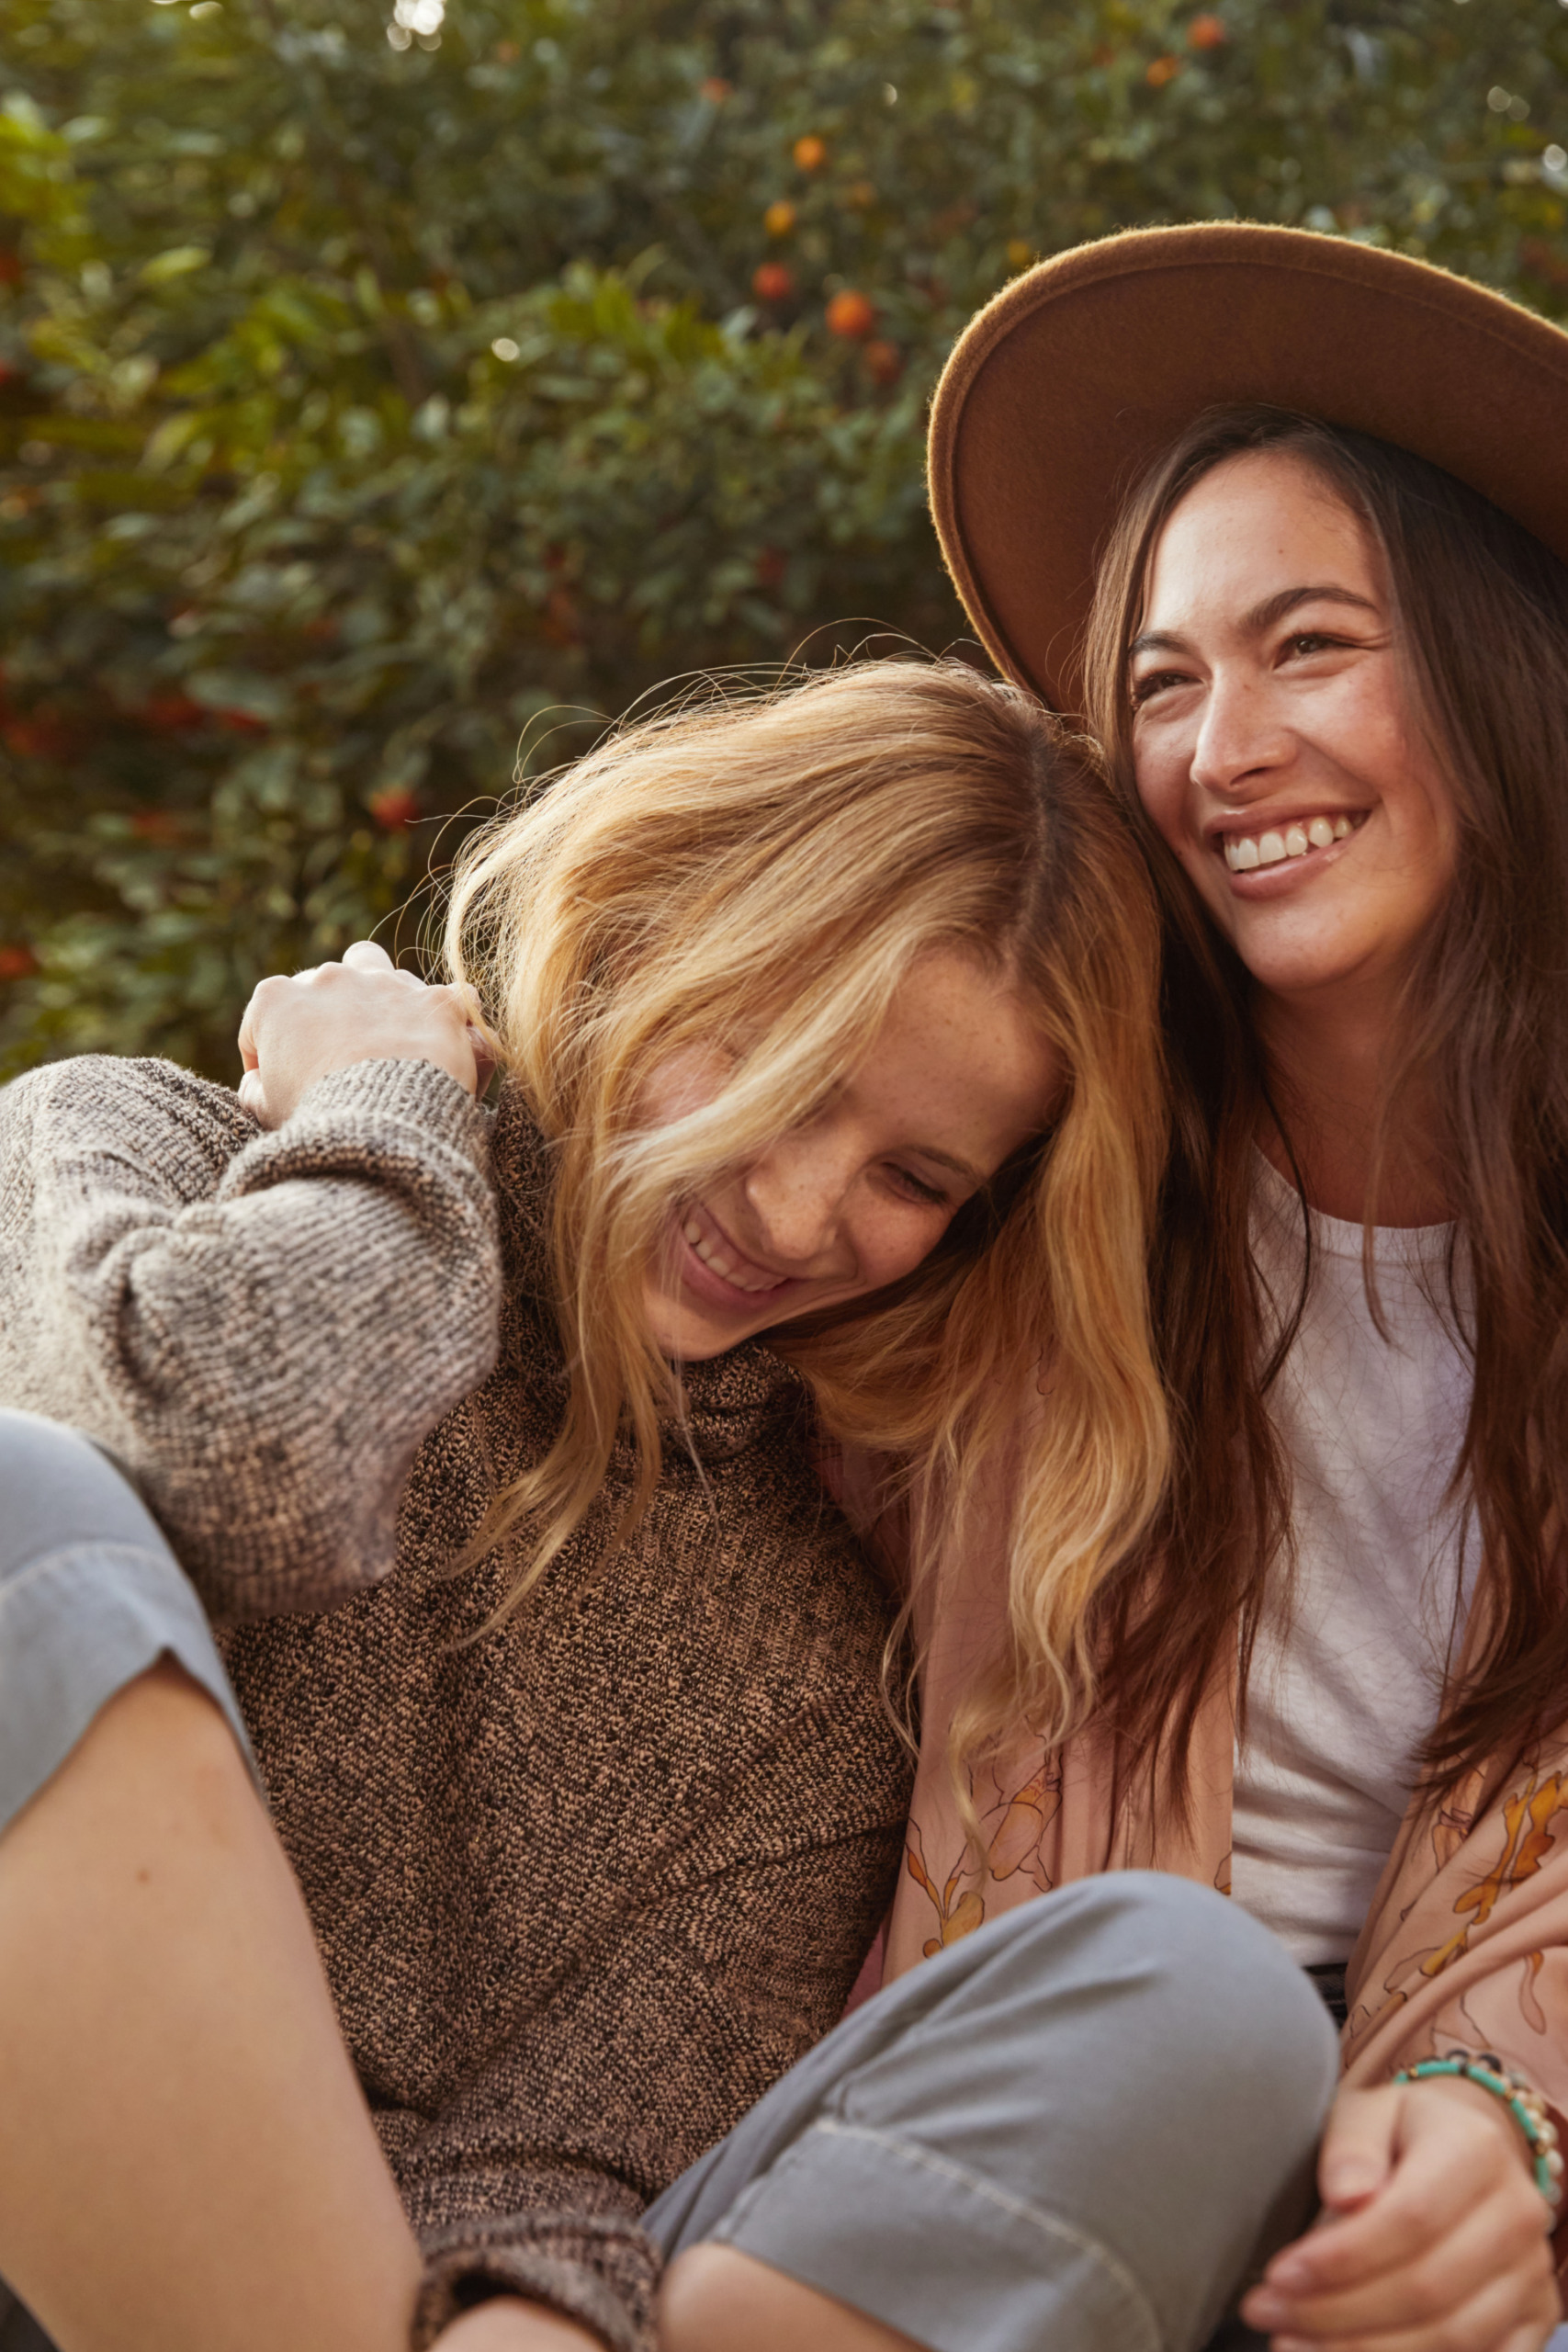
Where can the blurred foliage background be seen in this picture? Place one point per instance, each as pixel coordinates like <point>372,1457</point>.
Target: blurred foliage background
<point>380,393</point>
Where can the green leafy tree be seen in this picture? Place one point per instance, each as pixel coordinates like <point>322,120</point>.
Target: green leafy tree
<point>379,395</point>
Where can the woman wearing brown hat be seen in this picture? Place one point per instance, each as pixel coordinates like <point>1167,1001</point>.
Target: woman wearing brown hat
<point>1285,519</point>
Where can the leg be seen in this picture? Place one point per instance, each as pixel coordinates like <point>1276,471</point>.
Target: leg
<point>188,2164</point>
<point>1085,2126</point>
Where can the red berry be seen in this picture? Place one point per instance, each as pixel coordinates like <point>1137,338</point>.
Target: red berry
<point>852,315</point>
<point>772,282</point>
<point>168,714</point>
<point>394,807</point>
<point>17,962</point>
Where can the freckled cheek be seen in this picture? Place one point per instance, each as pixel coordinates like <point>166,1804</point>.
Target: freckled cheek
<point>888,1251</point>
<point>1161,782</point>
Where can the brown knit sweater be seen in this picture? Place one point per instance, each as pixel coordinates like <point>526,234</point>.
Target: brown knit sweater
<point>584,1887</point>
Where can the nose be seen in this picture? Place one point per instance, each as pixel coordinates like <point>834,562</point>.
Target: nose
<point>1243,740</point>
<point>796,1191</point>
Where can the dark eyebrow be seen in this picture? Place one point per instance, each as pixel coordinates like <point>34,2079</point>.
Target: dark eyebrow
<point>1262,616</point>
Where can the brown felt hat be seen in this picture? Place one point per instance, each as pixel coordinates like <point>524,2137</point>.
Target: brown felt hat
<point>1078,374</point>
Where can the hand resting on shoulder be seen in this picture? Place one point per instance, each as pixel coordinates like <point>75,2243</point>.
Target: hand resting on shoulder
<point>363,1010</point>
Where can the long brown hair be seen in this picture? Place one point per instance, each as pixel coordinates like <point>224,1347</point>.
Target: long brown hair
<point>1481,612</point>
<point>758,872</point>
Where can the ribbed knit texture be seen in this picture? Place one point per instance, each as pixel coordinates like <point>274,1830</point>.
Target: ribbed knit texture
<point>585,1885</point>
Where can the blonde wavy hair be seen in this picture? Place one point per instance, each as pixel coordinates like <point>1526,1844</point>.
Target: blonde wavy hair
<point>756,873</point>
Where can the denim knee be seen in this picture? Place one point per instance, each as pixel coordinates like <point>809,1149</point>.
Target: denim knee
<point>90,1596</point>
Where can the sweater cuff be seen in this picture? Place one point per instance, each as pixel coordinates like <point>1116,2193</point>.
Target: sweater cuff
<point>562,2260</point>
<point>416,1091</point>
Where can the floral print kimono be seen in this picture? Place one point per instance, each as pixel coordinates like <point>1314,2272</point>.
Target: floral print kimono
<point>1465,1944</point>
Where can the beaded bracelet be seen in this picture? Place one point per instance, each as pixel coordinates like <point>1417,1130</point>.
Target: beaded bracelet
<point>1523,2101</point>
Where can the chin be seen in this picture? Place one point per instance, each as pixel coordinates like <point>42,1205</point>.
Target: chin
<point>688,1337</point>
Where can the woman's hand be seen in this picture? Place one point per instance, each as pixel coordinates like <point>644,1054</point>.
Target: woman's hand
<point>362,1009</point>
<point>1433,2237</point>
<point>508,2325</point>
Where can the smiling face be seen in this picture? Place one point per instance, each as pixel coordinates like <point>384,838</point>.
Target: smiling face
<point>1275,749</point>
<point>956,1079</point>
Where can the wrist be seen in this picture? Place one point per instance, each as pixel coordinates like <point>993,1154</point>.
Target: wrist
<point>1514,2105</point>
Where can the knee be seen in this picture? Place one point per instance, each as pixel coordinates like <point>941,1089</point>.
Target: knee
<point>1202,1989</point>
<point>1222,1990</point>
<point>57,1488</point>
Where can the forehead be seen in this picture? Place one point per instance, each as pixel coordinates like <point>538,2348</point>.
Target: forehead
<point>1257,523</point>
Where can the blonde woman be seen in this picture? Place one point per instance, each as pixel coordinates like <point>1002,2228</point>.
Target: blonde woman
<point>831,1094</point>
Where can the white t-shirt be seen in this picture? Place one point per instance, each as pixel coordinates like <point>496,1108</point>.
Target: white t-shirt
<point>1338,1711</point>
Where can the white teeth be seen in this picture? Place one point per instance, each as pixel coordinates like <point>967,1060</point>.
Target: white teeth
<point>1243,852</point>
<point>721,1263</point>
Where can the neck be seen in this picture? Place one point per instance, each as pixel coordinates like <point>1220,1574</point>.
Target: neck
<point>1329,1067</point>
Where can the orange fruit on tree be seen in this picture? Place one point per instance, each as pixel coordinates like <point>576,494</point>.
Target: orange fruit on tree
<point>779,218</point>
<point>1163,70</point>
<point>885,362</point>
<point>1206,32</point>
<point>17,962</point>
<point>716,89</point>
<point>811,153</point>
<point>772,282</point>
<point>393,807</point>
<point>851,314</point>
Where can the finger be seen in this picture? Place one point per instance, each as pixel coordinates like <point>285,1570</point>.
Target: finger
<point>1438,2185</point>
<point>264,992</point>
<point>1358,2143</point>
<point>485,1063</point>
<point>1447,2277</point>
<point>253,1096</point>
<point>367,956</point>
<point>1502,2314</point>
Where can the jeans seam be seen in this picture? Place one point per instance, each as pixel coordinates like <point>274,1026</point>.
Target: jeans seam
<point>1048,2225</point>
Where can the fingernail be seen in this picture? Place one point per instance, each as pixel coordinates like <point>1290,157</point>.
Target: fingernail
<point>1262,2310</point>
<point>1288,2275</point>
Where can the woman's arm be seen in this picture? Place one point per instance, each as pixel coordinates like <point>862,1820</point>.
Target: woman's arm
<point>263,1327</point>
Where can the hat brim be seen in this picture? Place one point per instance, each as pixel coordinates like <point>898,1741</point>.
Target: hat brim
<point>1080,372</point>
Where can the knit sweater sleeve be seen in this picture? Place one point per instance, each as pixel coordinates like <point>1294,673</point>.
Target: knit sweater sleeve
<point>262,1326</point>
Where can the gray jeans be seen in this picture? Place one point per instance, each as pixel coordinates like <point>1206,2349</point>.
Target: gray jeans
<point>1082,2128</point>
